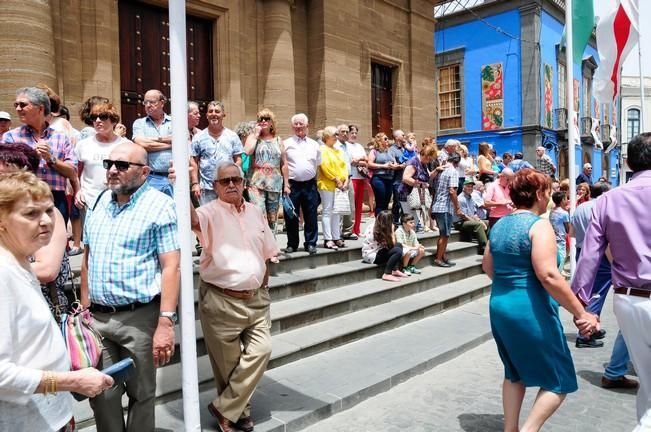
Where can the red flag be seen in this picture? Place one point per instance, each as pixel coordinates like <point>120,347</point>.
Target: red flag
<point>617,33</point>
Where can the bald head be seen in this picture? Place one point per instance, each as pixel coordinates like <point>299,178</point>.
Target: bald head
<point>129,152</point>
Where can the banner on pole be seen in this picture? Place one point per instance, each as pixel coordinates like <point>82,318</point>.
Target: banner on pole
<point>617,33</point>
<point>548,97</point>
<point>492,97</point>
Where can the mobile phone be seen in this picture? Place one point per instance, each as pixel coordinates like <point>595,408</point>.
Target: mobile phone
<point>121,372</point>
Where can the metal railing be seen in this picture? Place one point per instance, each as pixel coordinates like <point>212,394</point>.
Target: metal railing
<point>560,119</point>
<point>586,126</point>
<point>605,133</point>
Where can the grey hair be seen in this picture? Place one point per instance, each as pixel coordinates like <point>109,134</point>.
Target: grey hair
<point>217,104</point>
<point>36,96</point>
<point>397,132</point>
<point>225,164</point>
<point>192,104</point>
<point>329,131</point>
<point>299,116</point>
<point>244,128</point>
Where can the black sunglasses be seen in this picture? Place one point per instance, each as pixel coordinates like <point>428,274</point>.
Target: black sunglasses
<point>21,104</point>
<point>102,116</point>
<point>119,165</point>
<point>227,180</point>
<point>264,119</point>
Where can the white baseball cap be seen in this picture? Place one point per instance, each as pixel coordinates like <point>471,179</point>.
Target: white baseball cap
<point>4,115</point>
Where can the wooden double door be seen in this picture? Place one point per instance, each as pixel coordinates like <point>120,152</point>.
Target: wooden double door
<point>145,58</point>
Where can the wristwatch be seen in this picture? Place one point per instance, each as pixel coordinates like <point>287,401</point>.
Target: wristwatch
<point>172,316</point>
<point>52,161</point>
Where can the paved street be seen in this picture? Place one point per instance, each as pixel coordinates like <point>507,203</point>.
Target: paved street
<point>464,395</point>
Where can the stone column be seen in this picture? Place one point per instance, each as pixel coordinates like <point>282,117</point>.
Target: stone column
<point>278,79</point>
<point>27,56</point>
<point>531,79</point>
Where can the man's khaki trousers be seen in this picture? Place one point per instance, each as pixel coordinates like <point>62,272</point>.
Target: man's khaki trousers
<point>237,334</point>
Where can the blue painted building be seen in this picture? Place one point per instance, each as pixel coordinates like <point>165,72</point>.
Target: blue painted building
<point>501,79</point>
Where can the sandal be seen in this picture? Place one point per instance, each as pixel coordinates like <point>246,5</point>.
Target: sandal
<point>340,243</point>
<point>330,245</point>
<point>76,251</point>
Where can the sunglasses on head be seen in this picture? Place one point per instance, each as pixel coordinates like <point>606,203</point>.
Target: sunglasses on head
<point>261,119</point>
<point>102,116</point>
<point>21,104</point>
<point>119,165</point>
<point>227,180</point>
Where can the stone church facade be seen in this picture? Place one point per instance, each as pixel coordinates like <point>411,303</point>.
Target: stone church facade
<point>369,62</point>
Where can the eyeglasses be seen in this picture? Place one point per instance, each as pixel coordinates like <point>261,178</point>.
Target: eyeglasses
<point>386,138</point>
<point>150,102</point>
<point>267,119</point>
<point>102,116</point>
<point>227,180</point>
<point>119,165</point>
<point>22,105</point>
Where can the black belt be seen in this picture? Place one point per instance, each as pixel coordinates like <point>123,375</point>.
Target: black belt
<point>299,181</point>
<point>637,292</point>
<point>94,307</point>
<point>160,173</point>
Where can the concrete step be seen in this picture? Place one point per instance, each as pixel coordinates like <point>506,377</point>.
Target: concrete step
<point>321,336</point>
<point>295,396</point>
<point>334,300</point>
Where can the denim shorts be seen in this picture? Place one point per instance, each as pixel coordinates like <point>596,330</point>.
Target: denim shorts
<point>444,222</point>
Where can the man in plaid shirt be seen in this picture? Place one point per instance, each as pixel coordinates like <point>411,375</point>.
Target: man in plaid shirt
<point>58,162</point>
<point>544,162</point>
<point>130,282</point>
<point>445,206</point>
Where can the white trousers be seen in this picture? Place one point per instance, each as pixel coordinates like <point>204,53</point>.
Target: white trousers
<point>330,221</point>
<point>634,319</point>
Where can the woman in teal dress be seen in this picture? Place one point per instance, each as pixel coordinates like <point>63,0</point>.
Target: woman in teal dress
<point>521,258</point>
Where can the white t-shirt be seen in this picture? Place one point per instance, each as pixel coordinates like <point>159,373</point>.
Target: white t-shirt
<point>356,151</point>
<point>91,153</point>
<point>30,343</point>
<point>464,164</point>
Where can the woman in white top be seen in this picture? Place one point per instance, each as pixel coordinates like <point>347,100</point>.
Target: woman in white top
<point>34,364</point>
<point>92,151</point>
<point>466,167</point>
<point>359,174</point>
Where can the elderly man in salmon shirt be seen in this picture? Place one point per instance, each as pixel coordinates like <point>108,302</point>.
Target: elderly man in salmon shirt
<point>234,295</point>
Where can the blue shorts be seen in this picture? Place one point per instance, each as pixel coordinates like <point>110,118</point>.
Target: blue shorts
<point>444,223</point>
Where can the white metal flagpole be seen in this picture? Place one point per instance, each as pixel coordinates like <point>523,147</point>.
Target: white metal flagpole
<point>639,59</point>
<point>571,131</point>
<point>179,93</point>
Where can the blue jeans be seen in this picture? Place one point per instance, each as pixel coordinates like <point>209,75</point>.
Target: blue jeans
<point>601,286</point>
<point>161,183</point>
<point>382,188</point>
<point>619,358</point>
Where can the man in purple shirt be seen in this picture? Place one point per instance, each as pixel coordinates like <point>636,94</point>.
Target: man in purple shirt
<point>620,221</point>
<point>58,162</point>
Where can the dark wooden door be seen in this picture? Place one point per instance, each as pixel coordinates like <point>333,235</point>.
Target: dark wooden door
<point>382,98</point>
<point>145,58</point>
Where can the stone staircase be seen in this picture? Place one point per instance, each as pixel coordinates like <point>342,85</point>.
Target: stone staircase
<point>331,304</point>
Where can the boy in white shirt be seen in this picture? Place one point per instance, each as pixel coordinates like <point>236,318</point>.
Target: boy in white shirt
<point>413,251</point>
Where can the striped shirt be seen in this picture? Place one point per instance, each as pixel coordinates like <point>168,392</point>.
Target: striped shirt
<point>124,244</point>
<point>158,161</point>
<point>60,148</point>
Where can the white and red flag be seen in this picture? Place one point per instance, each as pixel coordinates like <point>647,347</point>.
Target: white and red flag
<point>617,33</point>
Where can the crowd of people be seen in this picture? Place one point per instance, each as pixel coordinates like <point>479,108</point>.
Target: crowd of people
<point>239,181</point>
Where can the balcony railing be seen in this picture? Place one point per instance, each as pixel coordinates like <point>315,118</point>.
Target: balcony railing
<point>605,133</point>
<point>586,127</point>
<point>560,119</point>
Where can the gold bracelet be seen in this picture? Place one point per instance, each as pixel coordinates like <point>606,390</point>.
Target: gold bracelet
<point>46,382</point>
<point>54,382</point>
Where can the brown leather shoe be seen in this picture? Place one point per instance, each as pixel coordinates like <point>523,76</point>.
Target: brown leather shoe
<point>622,383</point>
<point>245,424</point>
<point>223,424</point>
